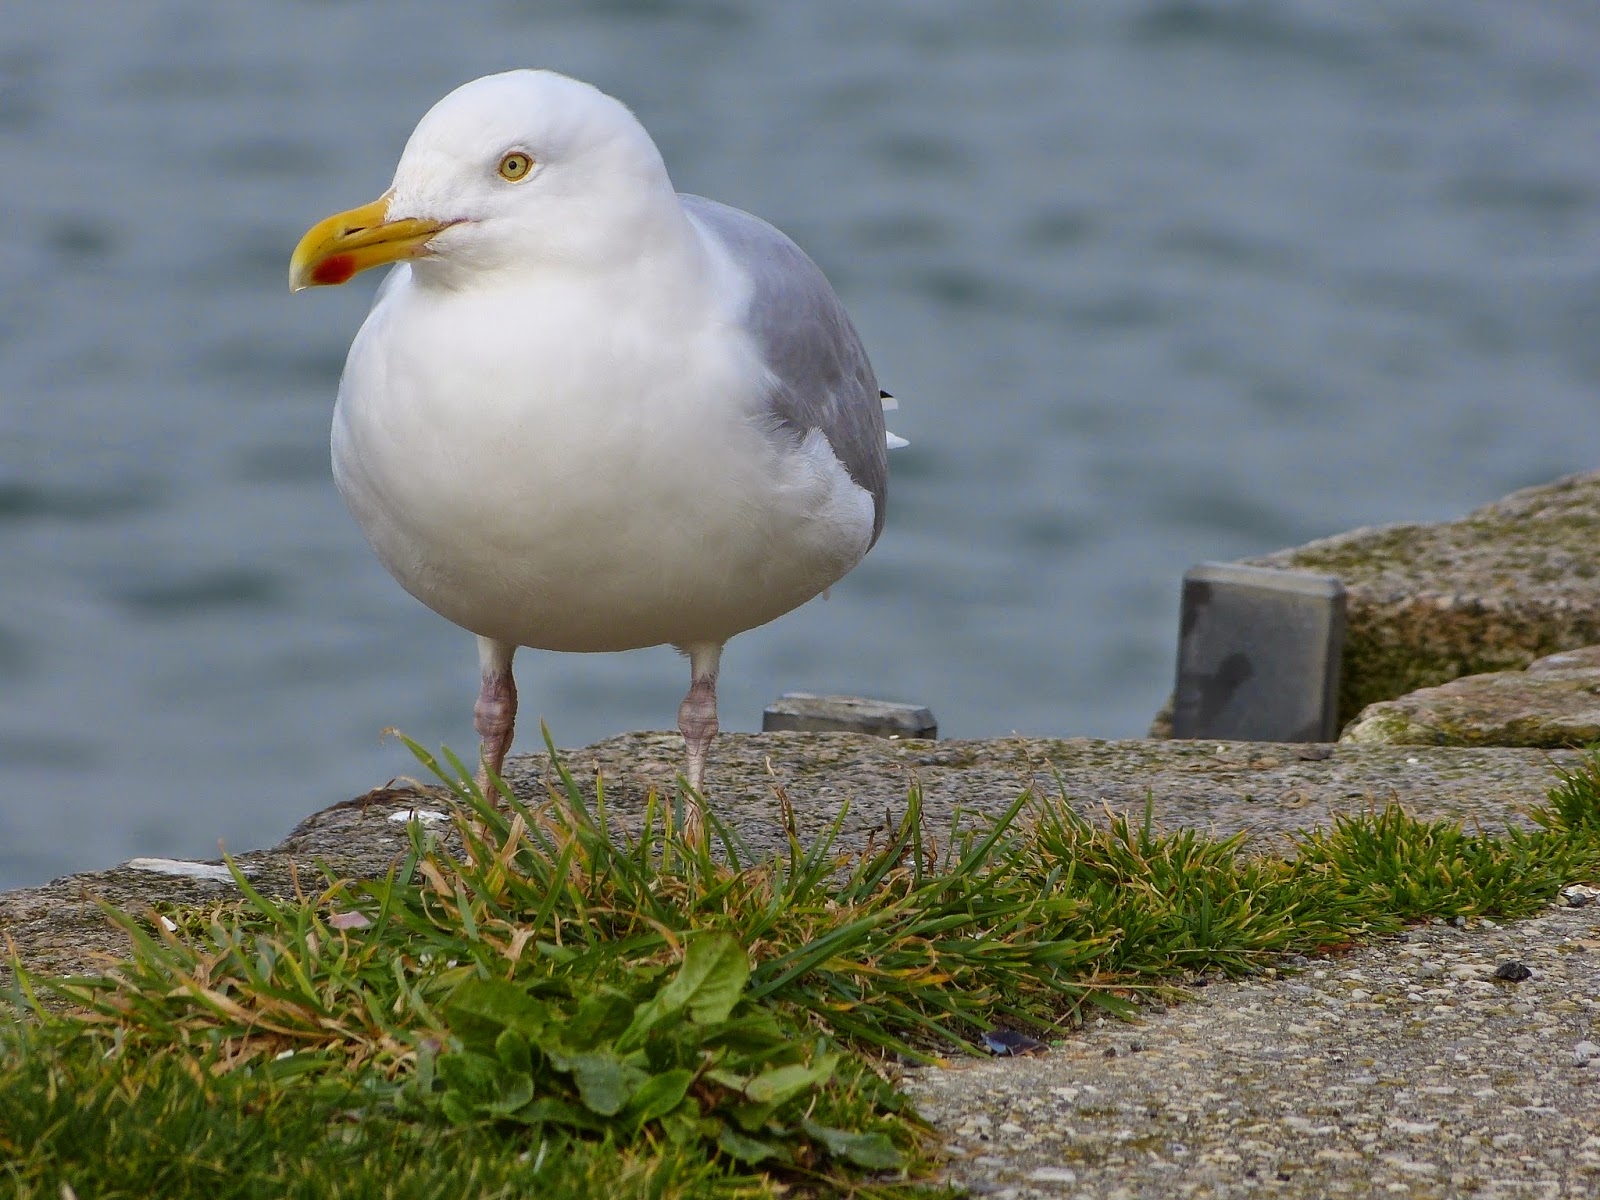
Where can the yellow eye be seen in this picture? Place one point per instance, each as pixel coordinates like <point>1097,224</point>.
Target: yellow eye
<point>515,166</point>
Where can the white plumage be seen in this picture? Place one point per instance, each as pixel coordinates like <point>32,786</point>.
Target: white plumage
<point>586,413</point>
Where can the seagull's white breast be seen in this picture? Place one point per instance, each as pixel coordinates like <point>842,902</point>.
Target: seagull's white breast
<point>578,464</point>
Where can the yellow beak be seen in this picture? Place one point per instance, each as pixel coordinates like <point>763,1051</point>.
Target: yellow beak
<point>334,250</point>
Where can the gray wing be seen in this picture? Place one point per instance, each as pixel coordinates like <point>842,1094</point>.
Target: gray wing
<point>824,380</point>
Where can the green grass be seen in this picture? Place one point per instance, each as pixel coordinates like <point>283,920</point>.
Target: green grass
<point>143,1127</point>
<point>562,1011</point>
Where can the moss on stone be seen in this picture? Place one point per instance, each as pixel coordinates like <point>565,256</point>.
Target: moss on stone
<point>1508,583</point>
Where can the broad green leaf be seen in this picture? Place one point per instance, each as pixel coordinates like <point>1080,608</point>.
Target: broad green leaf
<point>710,981</point>
<point>497,1002</point>
<point>515,1090</point>
<point>749,1149</point>
<point>604,1083</point>
<point>600,1018</point>
<point>756,1033</point>
<point>684,1129</point>
<point>471,1076</point>
<point>456,1110</point>
<point>555,1111</point>
<point>872,1150</point>
<point>477,1085</point>
<point>512,1049</point>
<point>750,1117</point>
<point>729,1079</point>
<point>782,1084</point>
<point>659,1095</point>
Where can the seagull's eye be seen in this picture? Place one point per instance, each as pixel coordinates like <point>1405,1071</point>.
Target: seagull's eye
<point>515,166</point>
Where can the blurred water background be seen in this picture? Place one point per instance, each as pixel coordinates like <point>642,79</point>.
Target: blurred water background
<point>1157,282</point>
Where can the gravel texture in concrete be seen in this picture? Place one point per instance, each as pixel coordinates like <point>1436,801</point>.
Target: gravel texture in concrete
<point>1404,1068</point>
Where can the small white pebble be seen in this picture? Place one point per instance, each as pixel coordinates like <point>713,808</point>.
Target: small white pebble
<point>425,815</point>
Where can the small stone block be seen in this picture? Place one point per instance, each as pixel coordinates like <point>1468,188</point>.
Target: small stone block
<point>1258,655</point>
<point>182,868</point>
<point>802,712</point>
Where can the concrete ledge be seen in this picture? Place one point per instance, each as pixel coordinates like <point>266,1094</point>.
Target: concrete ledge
<point>1267,790</point>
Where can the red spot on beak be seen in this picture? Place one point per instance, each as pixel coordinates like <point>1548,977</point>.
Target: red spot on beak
<point>335,269</point>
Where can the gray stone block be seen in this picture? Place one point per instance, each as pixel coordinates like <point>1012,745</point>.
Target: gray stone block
<point>1258,655</point>
<point>801,712</point>
<point>1555,702</point>
<point>1513,581</point>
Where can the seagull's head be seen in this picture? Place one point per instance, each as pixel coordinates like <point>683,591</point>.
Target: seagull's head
<point>506,173</point>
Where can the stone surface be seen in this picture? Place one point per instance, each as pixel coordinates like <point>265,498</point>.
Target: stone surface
<point>1263,789</point>
<point>1554,702</point>
<point>1403,1068</point>
<point>1508,583</point>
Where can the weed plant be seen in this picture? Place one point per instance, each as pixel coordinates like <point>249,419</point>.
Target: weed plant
<point>555,1008</point>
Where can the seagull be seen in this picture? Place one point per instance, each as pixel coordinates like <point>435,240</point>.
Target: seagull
<point>586,412</point>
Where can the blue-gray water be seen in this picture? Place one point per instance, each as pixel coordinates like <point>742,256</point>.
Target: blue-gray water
<point>1156,283</point>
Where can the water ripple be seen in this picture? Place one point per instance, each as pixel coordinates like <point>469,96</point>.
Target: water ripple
<point>221,589</point>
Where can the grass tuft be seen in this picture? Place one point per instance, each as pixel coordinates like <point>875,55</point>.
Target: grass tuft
<point>1387,861</point>
<point>557,1008</point>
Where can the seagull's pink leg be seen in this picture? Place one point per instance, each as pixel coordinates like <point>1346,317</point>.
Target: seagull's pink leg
<point>697,721</point>
<point>495,713</point>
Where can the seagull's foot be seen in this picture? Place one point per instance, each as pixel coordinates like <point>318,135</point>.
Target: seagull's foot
<point>694,825</point>
<point>495,713</point>
<point>694,774</point>
<point>697,721</point>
